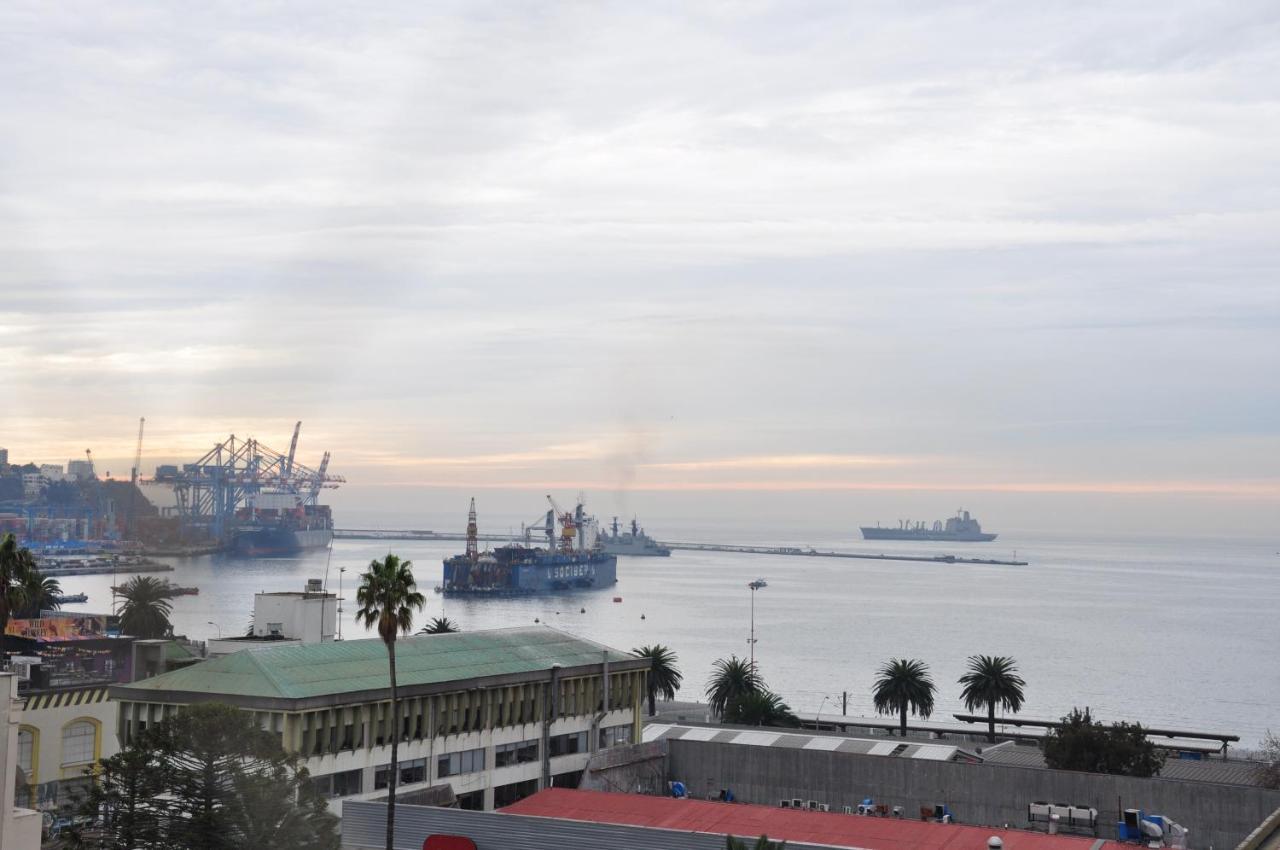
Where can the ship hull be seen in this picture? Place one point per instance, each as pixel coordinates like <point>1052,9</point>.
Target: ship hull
<point>546,574</point>
<point>635,549</point>
<point>277,542</point>
<point>924,535</point>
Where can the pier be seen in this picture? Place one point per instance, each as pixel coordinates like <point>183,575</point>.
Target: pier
<point>425,535</point>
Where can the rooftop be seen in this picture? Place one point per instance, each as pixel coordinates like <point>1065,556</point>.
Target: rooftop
<point>295,672</point>
<point>891,747</point>
<point>794,826</point>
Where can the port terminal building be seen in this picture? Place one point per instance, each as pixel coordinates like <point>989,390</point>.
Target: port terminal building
<point>485,718</point>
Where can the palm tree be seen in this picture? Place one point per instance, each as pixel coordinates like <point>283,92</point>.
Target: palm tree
<point>992,680</point>
<point>664,677</point>
<point>146,608</point>
<point>733,679</point>
<point>439,626</point>
<point>904,684</point>
<point>761,843</point>
<point>761,708</point>
<point>43,593</point>
<point>16,564</point>
<point>388,596</point>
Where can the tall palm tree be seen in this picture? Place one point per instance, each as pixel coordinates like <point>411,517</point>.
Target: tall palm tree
<point>439,626</point>
<point>16,564</point>
<point>388,596</point>
<point>664,677</point>
<point>146,608</point>
<point>732,679</point>
<point>904,684</point>
<point>992,680</point>
<point>43,593</point>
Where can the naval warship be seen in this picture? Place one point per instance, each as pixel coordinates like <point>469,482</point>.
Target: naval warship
<point>960,528</point>
<point>634,542</point>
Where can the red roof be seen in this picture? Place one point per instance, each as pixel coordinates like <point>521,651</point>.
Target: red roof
<point>836,830</point>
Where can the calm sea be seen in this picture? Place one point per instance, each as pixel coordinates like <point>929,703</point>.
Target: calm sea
<point>1176,633</point>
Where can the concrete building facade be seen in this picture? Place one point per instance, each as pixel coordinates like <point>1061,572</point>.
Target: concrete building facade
<point>495,715</point>
<point>296,617</point>
<point>20,827</point>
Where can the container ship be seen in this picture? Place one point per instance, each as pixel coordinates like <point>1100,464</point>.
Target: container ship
<point>634,542</point>
<point>280,532</point>
<point>960,528</point>
<point>572,563</point>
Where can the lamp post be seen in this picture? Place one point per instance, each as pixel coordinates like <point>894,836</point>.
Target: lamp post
<point>216,626</point>
<point>755,585</point>
<point>818,722</point>
<point>341,571</point>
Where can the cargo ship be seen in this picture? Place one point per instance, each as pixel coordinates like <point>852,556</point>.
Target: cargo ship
<point>634,542</point>
<point>276,532</point>
<point>960,528</point>
<point>572,563</point>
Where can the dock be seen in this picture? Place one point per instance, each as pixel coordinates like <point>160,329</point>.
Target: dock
<point>422,534</point>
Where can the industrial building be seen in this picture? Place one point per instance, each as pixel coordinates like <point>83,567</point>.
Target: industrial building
<point>485,718</point>
<point>285,618</point>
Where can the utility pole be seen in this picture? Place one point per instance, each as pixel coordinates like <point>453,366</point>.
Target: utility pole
<point>844,704</point>
<point>755,585</point>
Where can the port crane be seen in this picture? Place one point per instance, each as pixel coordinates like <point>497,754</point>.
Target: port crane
<point>131,520</point>
<point>239,473</point>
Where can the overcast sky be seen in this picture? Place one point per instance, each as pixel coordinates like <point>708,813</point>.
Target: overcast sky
<point>901,255</point>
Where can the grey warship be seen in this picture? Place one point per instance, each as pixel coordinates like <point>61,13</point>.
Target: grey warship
<point>634,542</point>
<point>960,528</point>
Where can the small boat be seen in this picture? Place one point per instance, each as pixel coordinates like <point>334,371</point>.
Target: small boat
<point>69,598</point>
<point>617,599</point>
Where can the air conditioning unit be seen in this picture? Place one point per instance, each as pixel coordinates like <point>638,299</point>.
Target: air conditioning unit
<point>813,805</point>
<point>848,810</point>
<point>784,804</point>
<point>824,807</point>
<point>797,803</point>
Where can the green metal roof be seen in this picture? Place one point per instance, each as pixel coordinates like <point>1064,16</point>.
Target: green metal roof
<point>324,669</point>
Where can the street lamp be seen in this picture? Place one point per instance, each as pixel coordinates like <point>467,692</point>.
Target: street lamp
<point>216,626</point>
<point>341,571</point>
<point>818,722</point>
<point>755,585</point>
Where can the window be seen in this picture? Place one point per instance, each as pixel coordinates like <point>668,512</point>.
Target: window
<point>521,752</point>
<point>505,795</point>
<point>26,747</point>
<point>410,771</point>
<point>77,742</point>
<point>338,784</point>
<point>563,745</point>
<point>613,736</point>
<point>467,761</point>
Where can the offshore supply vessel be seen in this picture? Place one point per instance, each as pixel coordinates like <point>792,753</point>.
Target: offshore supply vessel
<point>634,542</point>
<point>960,528</point>
<point>572,563</point>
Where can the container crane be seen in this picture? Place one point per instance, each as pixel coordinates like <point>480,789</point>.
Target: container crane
<point>137,455</point>
<point>131,519</point>
<point>473,533</point>
<point>293,448</point>
<point>88,455</point>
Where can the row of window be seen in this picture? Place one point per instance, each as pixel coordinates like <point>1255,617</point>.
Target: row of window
<point>414,770</point>
<point>79,745</point>
<point>467,761</point>
<point>521,752</point>
<point>342,784</point>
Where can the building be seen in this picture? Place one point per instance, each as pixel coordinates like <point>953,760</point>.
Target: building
<point>64,665</point>
<point>20,827</point>
<point>52,472</point>
<point>289,617</point>
<point>33,484</point>
<point>4,457</point>
<point>79,469</point>
<point>486,718</point>
<point>568,819</point>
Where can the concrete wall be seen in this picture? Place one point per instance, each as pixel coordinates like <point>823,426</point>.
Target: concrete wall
<point>1217,815</point>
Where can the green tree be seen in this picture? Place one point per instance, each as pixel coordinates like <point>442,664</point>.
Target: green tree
<point>41,593</point>
<point>1081,743</point>
<point>760,708</point>
<point>761,843</point>
<point>16,565</point>
<point>1269,767</point>
<point>388,596</point>
<point>207,778</point>
<point>146,608</point>
<point>902,685</point>
<point>991,681</point>
<point>731,679</point>
<point>439,626</point>
<point>664,676</point>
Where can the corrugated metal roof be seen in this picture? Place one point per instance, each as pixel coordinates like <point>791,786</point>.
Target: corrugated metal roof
<point>863,746</point>
<point>791,825</point>
<point>322,669</point>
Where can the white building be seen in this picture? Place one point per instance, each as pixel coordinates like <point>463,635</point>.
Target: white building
<point>33,484</point>
<point>79,469</point>
<point>308,616</point>
<point>52,472</point>
<point>19,827</point>
<point>493,715</point>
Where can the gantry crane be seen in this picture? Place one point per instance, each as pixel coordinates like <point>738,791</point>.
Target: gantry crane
<point>568,525</point>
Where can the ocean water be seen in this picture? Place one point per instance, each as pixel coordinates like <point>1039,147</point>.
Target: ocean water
<point>1173,633</point>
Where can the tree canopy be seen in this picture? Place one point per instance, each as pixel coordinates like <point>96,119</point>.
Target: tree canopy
<point>1082,743</point>
<point>992,681</point>
<point>207,778</point>
<point>904,685</point>
<point>146,608</point>
<point>664,676</point>
<point>731,679</point>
